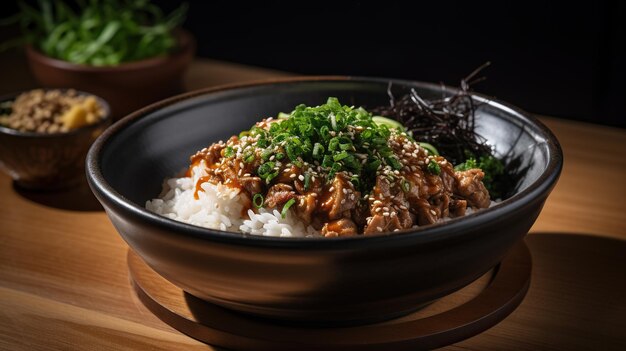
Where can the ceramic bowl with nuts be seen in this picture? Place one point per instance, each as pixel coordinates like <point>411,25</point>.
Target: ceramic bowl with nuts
<point>45,135</point>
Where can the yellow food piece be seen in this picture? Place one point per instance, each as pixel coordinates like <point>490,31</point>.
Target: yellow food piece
<point>82,114</point>
<point>75,117</point>
<point>91,118</point>
<point>90,104</point>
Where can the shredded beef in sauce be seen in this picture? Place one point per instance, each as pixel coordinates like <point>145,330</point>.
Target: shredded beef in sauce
<point>400,199</point>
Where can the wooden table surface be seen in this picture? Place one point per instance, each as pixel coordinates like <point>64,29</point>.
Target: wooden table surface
<point>64,282</point>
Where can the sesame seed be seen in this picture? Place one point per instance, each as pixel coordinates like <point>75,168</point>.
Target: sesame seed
<point>386,214</point>
<point>380,229</point>
<point>301,177</point>
<point>432,212</point>
<point>292,176</point>
<point>332,188</point>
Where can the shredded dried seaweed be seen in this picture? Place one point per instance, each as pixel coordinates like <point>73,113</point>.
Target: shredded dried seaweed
<point>447,122</point>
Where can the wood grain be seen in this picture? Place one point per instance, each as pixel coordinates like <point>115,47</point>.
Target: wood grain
<point>64,283</point>
<point>589,197</point>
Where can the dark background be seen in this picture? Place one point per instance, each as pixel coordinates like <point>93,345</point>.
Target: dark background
<point>551,58</point>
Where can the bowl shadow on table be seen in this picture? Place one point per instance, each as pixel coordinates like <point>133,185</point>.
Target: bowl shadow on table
<point>76,198</point>
<point>577,296</point>
<point>553,312</point>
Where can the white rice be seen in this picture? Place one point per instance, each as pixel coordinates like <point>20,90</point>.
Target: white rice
<point>219,207</point>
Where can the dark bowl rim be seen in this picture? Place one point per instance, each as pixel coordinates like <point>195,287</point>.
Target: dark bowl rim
<point>435,232</point>
<point>14,132</point>
<point>187,46</point>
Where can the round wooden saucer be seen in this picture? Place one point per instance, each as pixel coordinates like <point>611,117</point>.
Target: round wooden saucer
<point>465,313</point>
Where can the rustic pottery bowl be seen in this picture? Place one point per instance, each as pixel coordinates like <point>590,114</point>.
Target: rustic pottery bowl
<point>48,161</point>
<point>342,280</point>
<point>128,86</point>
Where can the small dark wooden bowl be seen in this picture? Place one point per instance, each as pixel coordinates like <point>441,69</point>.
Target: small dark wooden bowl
<point>127,87</point>
<point>48,161</point>
<point>340,280</point>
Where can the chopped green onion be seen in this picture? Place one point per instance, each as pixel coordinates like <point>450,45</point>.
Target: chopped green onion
<point>229,152</point>
<point>406,186</point>
<point>373,165</point>
<point>394,163</point>
<point>307,181</point>
<point>318,149</point>
<point>433,167</point>
<point>335,137</point>
<point>289,203</point>
<point>340,156</point>
<point>265,169</point>
<point>265,155</point>
<point>271,176</point>
<point>258,200</point>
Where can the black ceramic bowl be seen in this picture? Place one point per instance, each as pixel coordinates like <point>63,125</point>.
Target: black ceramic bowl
<point>346,279</point>
<point>43,161</point>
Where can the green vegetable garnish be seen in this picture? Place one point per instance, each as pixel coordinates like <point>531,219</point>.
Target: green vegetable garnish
<point>406,186</point>
<point>258,200</point>
<point>491,166</point>
<point>100,32</point>
<point>430,148</point>
<point>289,203</point>
<point>229,152</point>
<point>434,168</point>
<point>339,138</point>
<point>380,120</point>
<point>307,181</point>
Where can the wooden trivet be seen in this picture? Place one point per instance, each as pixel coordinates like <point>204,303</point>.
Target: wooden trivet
<point>458,316</point>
